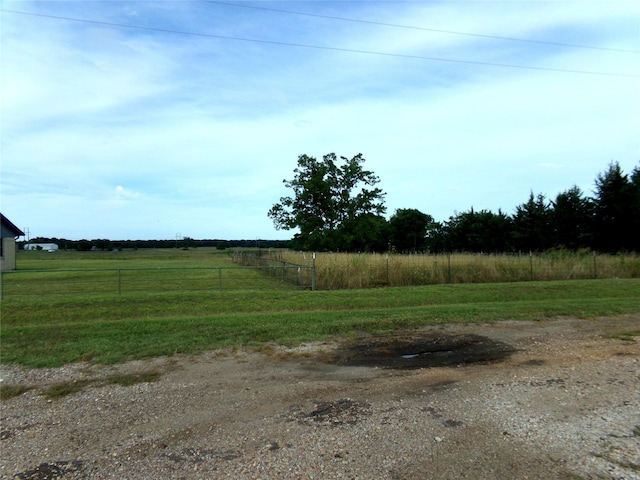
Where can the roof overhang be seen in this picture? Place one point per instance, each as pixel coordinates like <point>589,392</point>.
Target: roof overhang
<point>10,226</point>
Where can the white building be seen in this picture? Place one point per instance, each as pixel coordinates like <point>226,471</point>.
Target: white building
<point>47,247</point>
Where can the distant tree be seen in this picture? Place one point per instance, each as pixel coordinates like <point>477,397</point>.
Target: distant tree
<point>532,225</point>
<point>83,245</point>
<point>102,244</point>
<point>482,231</point>
<point>437,237</point>
<point>615,210</point>
<point>408,229</point>
<point>571,219</point>
<point>328,195</point>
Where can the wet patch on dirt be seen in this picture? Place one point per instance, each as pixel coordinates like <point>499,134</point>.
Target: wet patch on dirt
<point>415,350</point>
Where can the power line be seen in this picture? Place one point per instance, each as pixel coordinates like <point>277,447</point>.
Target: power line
<point>450,32</point>
<point>319,47</point>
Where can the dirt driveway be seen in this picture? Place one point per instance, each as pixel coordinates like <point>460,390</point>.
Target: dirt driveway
<point>557,399</point>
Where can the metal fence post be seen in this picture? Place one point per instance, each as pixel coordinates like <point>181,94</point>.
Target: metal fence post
<point>531,265</point>
<point>313,272</point>
<point>595,270</point>
<point>387,258</point>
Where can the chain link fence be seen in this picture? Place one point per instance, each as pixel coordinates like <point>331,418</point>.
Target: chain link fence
<point>154,280</point>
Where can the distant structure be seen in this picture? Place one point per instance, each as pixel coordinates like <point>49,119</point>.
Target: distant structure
<point>47,247</point>
<point>9,233</point>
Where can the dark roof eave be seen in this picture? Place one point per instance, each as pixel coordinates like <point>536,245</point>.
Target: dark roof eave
<point>16,231</point>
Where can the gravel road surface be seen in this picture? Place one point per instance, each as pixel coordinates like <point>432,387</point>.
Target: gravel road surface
<point>556,399</point>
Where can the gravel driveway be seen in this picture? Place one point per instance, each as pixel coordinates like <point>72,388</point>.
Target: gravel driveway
<point>561,400</point>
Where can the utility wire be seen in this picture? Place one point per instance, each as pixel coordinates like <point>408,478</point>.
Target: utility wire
<point>319,47</point>
<point>450,32</point>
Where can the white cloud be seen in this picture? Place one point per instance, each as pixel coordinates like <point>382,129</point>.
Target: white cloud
<point>138,134</point>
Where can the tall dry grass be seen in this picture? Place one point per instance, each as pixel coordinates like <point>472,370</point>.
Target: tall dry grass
<point>367,270</point>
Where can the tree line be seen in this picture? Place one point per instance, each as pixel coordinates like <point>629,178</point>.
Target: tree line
<point>102,244</point>
<point>336,206</point>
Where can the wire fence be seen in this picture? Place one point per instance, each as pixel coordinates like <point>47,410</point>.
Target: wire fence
<point>288,272</point>
<point>272,270</point>
<point>153,280</point>
<point>370,270</point>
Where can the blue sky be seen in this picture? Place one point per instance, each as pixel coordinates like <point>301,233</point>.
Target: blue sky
<point>115,132</point>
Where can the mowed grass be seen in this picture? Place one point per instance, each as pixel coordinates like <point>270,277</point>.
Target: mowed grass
<point>130,271</point>
<point>142,258</point>
<point>39,331</point>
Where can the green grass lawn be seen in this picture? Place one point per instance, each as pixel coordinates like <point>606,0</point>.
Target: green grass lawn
<point>70,273</point>
<point>143,258</point>
<point>52,330</point>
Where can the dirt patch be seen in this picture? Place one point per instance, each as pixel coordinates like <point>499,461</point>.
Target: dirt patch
<point>555,399</point>
<point>344,411</point>
<point>46,471</point>
<point>420,350</point>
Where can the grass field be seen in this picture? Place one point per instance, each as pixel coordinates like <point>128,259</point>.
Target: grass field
<point>52,330</point>
<point>133,271</point>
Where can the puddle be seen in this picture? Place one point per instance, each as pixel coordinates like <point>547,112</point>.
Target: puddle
<point>415,350</point>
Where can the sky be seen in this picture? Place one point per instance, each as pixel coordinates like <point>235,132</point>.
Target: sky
<point>157,119</point>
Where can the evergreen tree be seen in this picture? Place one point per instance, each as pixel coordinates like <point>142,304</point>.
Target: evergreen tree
<point>482,231</point>
<point>634,244</point>
<point>615,210</point>
<point>532,225</point>
<point>571,219</point>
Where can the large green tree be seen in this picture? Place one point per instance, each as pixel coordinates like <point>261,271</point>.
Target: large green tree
<point>330,198</point>
<point>364,233</point>
<point>408,229</point>
<point>482,231</point>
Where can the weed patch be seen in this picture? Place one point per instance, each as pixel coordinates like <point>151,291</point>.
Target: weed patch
<point>62,389</point>
<point>10,391</point>
<point>126,380</point>
<point>627,336</point>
